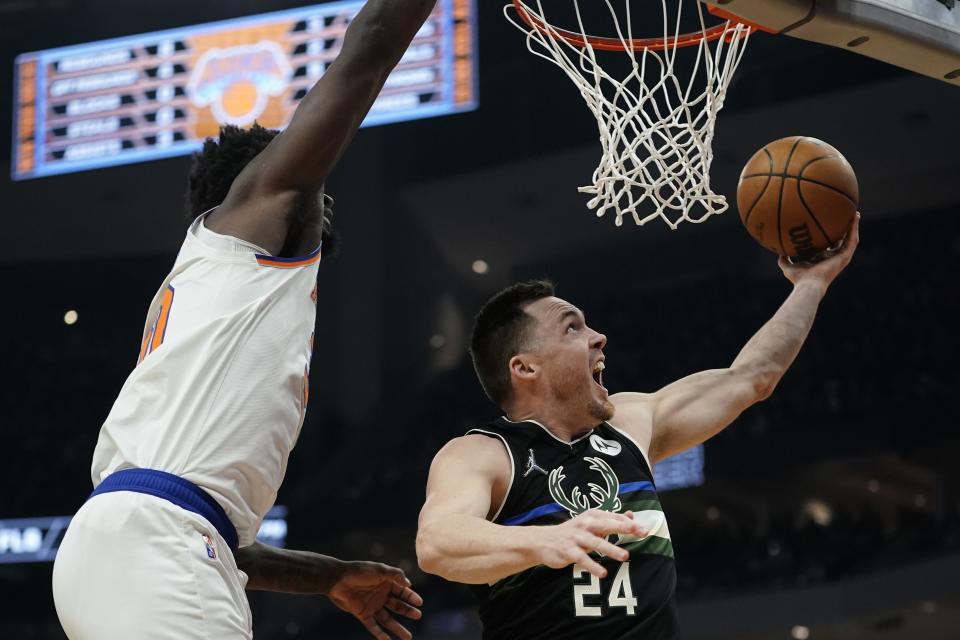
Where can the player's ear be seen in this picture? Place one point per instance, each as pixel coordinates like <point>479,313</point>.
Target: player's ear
<point>523,367</point>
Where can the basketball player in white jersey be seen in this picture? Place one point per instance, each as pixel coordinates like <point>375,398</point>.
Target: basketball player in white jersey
<point>194,450</point>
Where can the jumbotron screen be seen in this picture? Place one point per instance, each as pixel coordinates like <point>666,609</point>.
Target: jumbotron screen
<point>161,94</point>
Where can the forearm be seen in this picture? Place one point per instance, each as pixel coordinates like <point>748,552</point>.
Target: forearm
<point>328,117</point>
<point>377,38</point>
<point>771,351</point>
<point>287,571</point>
<point>392,23</point>
<point>471,550</point>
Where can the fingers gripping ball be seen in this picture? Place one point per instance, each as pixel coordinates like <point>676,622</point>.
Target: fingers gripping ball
<point>797,196</point>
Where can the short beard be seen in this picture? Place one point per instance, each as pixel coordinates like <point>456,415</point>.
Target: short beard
<point>567,387</point>
<point>602,411</point>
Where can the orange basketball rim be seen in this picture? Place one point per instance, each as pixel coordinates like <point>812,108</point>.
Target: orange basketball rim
<point>636,44</point>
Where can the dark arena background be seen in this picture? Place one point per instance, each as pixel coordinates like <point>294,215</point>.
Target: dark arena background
<point>831,511</point>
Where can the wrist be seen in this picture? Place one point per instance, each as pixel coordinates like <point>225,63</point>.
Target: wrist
<point>812,284</point>
<point>530,545</point>
<point>328,572</point>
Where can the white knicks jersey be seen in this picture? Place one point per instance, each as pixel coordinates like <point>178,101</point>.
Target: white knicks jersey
<point>219,393</point>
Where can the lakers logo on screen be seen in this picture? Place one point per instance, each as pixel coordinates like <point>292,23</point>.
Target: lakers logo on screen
<point>237,83</point>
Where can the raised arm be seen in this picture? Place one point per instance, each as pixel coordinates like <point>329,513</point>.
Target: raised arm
<point>692,410</point>
<point>290,172</point>
<point>455,539</point>
<point>370,591</point>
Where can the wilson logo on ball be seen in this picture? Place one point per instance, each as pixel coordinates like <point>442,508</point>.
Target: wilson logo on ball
<point>802,240</point>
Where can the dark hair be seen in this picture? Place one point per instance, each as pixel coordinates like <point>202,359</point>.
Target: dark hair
<point>500,331</point>
<point>216,166</point>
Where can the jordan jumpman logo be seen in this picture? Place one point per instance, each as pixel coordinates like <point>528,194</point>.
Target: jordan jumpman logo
<point>533,466</point>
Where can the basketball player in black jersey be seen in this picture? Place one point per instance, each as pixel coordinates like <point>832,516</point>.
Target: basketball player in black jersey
<point>551,511</point>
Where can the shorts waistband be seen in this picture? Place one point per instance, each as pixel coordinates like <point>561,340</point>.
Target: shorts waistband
<point>175,489</point>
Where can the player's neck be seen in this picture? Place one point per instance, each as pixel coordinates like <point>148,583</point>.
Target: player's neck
<point>558,420</point>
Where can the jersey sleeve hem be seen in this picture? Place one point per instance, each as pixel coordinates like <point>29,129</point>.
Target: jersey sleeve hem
<point>266,260</point>
<point>506,494</point>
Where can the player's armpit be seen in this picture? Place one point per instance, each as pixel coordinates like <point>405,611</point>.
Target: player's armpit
<point>634,416</point>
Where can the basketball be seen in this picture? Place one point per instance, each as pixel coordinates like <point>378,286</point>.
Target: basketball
<point>797,196</point>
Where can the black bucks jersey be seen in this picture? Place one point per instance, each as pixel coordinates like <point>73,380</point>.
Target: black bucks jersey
<point>553,481</point>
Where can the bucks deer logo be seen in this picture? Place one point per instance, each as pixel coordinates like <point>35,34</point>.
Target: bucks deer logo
<point>600,497</point>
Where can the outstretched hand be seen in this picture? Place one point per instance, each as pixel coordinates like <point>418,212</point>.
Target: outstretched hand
<point>573,541</point>
<point>829,264</point>
<point>373,593</point>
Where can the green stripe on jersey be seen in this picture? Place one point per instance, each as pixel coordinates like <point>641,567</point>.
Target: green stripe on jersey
<point>652,544</point>
<point>642,505</point>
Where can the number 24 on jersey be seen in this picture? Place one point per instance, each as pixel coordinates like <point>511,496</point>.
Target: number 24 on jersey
<point>620,593</point>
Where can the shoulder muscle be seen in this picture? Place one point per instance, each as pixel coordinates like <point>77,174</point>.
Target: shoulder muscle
<point>468,475</point>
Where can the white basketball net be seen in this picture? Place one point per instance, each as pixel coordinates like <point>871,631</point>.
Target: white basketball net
<point>656,134</point>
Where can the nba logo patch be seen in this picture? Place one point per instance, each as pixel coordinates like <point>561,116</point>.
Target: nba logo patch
<point>211,549</point>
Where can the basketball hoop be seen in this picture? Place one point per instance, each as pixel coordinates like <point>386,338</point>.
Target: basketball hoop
<point>656,133</point>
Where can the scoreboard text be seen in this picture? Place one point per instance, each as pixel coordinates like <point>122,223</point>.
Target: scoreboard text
<point>161,94</point>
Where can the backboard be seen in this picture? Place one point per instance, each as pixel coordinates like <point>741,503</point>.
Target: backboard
<point>920,35</point>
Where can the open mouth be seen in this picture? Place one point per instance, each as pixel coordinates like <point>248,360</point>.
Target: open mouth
<point>598,372</point>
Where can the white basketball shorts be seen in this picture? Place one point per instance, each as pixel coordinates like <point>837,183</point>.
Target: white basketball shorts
<point>133,566</point>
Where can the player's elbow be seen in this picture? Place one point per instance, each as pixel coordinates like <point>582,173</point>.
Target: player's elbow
<point>759,381</point>
<point>763,384</point>
<point>429,558</point>
<point>428,562</point>
<point>763,389</point>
